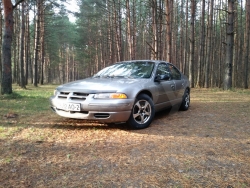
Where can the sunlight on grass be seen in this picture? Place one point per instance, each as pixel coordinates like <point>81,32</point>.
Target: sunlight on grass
<point>27,101</point>
<point>26,104</point>
<point>219,95</point>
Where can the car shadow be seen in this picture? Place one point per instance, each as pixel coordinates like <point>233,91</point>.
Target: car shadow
<point>79,124</point>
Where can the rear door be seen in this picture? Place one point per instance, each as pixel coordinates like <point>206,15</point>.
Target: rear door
<point>179,82</point>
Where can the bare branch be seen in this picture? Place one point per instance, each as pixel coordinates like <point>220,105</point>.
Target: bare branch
<point>17,3</point>
<point>150,46</point>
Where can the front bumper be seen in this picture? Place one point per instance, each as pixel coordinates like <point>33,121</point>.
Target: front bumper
<point>105,111</point>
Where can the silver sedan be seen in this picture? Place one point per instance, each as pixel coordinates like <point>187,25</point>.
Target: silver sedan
<point>128,91</point>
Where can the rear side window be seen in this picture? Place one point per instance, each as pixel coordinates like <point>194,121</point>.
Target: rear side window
<point>176,75</point>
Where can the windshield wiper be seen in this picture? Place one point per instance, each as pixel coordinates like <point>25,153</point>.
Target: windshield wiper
<point>122,77</point>
<point>113,76</point>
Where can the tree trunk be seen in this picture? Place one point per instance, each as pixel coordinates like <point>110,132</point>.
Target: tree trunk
<point>182,37</point>
<point>186,41</point>
<point>241,35</point>
<point>6,85</point>
<point>129,38</point>
<point>169,10</point>
<point>120,32</point>
<point>161,27</point>
<point>230,45</point>
<point>36,44</point>
<point>221,49</point>
<point>246,44</point>
<point>117,34</point>
<point>154,46</point>
<point>192,44</point>
<point>209,44</point>
<point>21,54</point>
<point>27,48</point>
<point>42,44</point>
<point>1,26</point>
<point>236,47</point>
<point>16,47</point>
<point>202,45</point>
<point>133,35</point>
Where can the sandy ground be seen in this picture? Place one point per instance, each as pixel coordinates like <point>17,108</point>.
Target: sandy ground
<point>206,146</point>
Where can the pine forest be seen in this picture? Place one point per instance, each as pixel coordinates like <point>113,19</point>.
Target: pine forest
<point>208,40</point>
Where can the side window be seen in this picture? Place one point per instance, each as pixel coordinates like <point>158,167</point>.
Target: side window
<point>162,69</point>
<point>176,75</point>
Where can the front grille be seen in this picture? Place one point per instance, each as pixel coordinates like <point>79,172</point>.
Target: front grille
<point>63,95</point>
<point>79,96</point>
<point>73,96</point>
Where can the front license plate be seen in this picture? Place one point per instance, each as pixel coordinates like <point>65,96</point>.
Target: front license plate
<point>70,107</point>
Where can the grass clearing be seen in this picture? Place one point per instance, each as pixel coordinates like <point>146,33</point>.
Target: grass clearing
<point>206,146</point>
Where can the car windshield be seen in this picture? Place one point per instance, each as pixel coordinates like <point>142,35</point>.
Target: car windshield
<point>127,70</point>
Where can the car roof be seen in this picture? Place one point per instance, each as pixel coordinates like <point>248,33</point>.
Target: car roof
<point>134,61</point>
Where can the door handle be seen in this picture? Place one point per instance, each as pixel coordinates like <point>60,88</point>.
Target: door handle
<point>172,86</point>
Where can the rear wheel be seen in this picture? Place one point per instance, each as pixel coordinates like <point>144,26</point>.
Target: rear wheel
<point>142,112</point>
<point>185,101</point>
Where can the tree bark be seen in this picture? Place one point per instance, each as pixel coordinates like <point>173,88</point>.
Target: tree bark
<point>27,48</point>
<point>209,44</point>
<point>169,10</point>
<point>230,45</point>
<point>182,15</point>
<point>42,43</point>
<point>202,45</point>
<point>36,44</point>
<point>133,35</point>
<point>186,58</point>
<point>192,44</point>
<point>21,54</point>
<point>1,26</point>
<point>246,44</point>
<point>6,85</point>
<point>155,31</point>
<point>129,38</point>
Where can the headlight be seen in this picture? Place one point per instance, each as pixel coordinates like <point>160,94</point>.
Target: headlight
<point>110,96</point>
<point>55,92</point>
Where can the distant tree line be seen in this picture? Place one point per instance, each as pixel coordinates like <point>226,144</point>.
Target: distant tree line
<point>207,40</point>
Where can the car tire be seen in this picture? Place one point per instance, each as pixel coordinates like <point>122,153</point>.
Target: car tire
<point>185,101</point>
<point>142,112</point>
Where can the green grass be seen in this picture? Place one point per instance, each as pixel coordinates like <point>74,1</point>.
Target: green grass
<point>27,104</point>
<point>26,101</point>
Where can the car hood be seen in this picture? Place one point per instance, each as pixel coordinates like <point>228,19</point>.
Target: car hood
<point>97,85</point>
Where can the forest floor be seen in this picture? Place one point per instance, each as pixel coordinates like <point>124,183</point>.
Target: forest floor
<point>206,146</point>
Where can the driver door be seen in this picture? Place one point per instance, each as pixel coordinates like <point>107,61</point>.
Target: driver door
<point>166,86</point>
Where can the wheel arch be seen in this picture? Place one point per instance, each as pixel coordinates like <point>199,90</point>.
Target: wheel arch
<point>147,92</point>
<point>188,89</point>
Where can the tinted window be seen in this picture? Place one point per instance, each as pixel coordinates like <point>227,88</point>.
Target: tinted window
<point>162,69</point>
<point>175,73</point>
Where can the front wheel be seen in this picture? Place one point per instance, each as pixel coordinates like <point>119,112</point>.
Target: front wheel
<point>185,101</point>
<point>142,112</point>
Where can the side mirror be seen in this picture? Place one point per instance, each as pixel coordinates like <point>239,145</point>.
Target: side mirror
<point>166,77</point>
<point>159,78</point>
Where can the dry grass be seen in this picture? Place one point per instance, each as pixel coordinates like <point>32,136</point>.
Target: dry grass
<point>207,146</point>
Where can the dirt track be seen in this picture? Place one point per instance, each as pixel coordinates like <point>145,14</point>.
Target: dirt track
<point>206,146</point>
